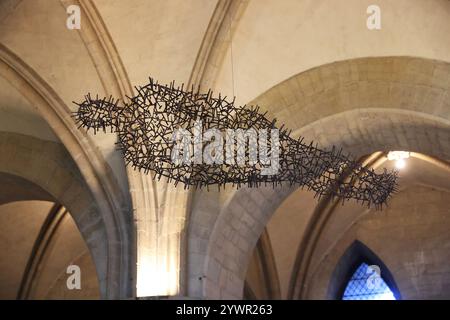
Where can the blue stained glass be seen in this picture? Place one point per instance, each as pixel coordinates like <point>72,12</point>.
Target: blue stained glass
<point>367,284</point>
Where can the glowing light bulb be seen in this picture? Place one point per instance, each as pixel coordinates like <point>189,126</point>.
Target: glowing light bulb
<point>400,163</point>
<point>399,158</point>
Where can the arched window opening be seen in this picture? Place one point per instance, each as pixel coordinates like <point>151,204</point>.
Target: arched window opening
<point>366,283</point>
<point>361,275</point>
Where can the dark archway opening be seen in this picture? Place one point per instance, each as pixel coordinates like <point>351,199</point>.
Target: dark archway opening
<point>351,264</point>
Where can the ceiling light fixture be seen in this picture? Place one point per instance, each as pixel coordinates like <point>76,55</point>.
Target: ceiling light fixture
<point>399,158</point>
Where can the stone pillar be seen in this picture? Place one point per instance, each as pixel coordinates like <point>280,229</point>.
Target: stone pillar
<point>160,216</point>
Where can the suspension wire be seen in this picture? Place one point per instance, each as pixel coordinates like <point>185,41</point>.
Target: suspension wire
<point>231,55</point>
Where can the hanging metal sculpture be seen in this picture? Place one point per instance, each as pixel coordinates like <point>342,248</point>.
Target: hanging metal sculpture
<point>148,123</point>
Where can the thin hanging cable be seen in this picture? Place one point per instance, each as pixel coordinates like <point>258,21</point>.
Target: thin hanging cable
<point>231,55</point>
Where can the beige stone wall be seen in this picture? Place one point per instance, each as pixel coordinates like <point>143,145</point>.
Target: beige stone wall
<point>66,247</point>
<point>36,32</point>
<point>47,165</point>
<point>355,115</point>
<point>304,62</point>
<point>35,256</point>
<point>89,282</point>
<point>410,237</point>
<point>309,242</point>
<point>20,223</point>
<point>276,40</point>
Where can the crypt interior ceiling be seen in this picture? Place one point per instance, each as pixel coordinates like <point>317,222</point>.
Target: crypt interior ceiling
<point>67,197</point>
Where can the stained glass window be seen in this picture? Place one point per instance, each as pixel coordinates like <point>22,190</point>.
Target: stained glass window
<point>367,284</point>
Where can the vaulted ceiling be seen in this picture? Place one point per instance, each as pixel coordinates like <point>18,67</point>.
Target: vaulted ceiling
<point>312,64</point>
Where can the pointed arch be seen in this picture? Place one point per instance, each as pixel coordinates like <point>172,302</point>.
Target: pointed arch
<point>265,270</point>
<point>361,132</point>
<point>113,207</point>
<point>356,254</point>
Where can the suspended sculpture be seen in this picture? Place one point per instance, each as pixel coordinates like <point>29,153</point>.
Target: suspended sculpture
<point>147,127</point>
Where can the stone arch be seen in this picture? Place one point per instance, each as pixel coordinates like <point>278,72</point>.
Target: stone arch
<point>242,220</point>
<point>48,166</point>
<point>265,271</point>
<point>112,205</point>
<point>392,103</point>
<point>355,254</point>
